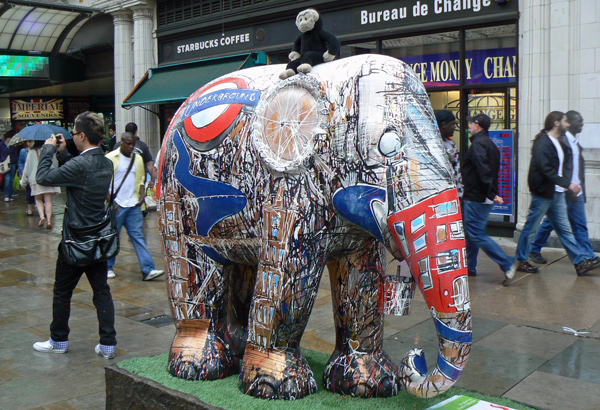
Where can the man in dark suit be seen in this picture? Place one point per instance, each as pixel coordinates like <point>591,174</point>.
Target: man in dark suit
<point>87,178</point>
<point>480,179</point>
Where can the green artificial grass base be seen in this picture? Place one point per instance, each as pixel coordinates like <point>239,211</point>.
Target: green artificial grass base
<point>226,394</point>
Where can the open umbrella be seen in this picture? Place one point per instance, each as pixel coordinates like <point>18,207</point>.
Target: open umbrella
<point>14,141</point>
<point>42,132</point>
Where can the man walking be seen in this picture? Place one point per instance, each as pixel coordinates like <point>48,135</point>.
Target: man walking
<point>129,195</point>
<point>447,124</point>
<point>87,178</point>
<point>575,202</point>
<point>142,150</point>
<point>480,179</point>
<point>112,134</point>
<point>549,178</point>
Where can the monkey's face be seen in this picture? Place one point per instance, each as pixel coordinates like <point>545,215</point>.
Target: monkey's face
<point>305,22</point>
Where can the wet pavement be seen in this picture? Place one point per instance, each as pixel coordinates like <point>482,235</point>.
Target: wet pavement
<point>524,342</point>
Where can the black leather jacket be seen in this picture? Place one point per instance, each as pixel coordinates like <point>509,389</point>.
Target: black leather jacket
<point>480,169</point>
<point>543,168</point>
<point>87,178</point>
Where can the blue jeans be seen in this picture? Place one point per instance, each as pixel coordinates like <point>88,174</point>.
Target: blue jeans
<point>556,211</point>
<point>578,221</point>
<point>475,217</point>
<point>133,220</point>
<point>9,179</point>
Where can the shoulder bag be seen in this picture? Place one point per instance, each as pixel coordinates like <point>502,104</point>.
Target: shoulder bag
<point>5,165</point>
<point>96,243</point>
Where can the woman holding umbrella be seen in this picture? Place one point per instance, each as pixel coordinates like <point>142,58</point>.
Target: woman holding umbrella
<point>6,151</point>
<point>43,194</point>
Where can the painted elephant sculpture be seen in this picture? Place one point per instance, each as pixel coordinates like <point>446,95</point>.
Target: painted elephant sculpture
<point>264,182</point>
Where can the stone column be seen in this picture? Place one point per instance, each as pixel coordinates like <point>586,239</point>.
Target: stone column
<point>143,52</point>
<point>557,72</point>
<point>123,26</point>
<point>534,90</point>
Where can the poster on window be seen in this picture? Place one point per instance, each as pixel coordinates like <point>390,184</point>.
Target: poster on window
<point>506,175</point>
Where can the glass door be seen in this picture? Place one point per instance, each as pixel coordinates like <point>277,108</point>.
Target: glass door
<point>501,106</point>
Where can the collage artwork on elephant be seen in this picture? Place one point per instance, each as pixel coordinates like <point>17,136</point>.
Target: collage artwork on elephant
<point>265,182</point>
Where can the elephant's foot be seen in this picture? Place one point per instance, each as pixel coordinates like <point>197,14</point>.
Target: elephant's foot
<point>362,374</point>
<point>282,374</point>
<point>198,354</point>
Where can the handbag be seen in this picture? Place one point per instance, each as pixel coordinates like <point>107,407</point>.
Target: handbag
<point>93,243</point>
<point>5,165</point>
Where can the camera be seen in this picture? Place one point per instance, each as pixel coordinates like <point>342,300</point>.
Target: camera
<point>58,138</point>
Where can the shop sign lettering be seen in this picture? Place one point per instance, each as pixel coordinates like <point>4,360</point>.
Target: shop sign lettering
<point>225,41</point>
<point>422,8</point>
<point>37,109</point>
<point>481,67</point>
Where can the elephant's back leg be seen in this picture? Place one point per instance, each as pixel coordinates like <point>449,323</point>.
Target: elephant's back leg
<point>359,366</point>
<point>198,292</point>
<point>242,279</point>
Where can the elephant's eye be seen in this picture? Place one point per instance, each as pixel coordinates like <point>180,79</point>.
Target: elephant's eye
<point>390,144</point>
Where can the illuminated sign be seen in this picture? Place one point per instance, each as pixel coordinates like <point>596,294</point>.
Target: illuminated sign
<point>37,109</point>
<point>24,66</point>
<point>481,67</point>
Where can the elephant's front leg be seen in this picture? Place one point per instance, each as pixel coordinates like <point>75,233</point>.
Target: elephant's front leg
<point>287,281</point>
<point>203,348</point>
<point>359,366</point>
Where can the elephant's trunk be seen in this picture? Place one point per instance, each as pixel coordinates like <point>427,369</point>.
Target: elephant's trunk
<point>431,239</point>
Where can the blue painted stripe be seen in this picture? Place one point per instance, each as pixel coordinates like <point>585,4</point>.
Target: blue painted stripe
<point>354,204</point>
<point>420,362</point>
<point>216,200</point>
<point>451,372</point>
<point>453,334</point>
<point>228,96</point>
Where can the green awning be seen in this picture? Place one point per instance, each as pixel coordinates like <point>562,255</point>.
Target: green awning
<point>174,83</point>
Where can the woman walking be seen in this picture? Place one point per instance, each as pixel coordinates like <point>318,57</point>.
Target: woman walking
<point>43,194</point>
<point>22,160</point>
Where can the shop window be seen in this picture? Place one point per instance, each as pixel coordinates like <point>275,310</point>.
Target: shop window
<point>177,11</point>
<point>433,57</point>
<point>491,56</point>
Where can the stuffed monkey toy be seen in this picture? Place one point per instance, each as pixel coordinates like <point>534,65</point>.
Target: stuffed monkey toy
<point>314,46</point>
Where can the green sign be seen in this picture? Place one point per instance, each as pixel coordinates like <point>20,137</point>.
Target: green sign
<point>24,66</point>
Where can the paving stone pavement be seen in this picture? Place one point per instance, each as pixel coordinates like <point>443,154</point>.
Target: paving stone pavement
<point>520,350</point>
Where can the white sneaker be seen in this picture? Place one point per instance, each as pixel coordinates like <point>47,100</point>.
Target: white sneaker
<point>510,273</point>
<point>110,274</point>
<point>46,347</point>
<point>154,274</point>
<point>6,199</point>
<point>99,351</point>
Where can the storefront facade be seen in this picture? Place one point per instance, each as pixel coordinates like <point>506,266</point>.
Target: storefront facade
<point>514,61</point>
<point>469,67</point>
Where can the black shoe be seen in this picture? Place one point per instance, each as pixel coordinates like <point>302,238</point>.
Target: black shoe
<point>527,267</point>
<point>471,273</point>
<point>537,258</point>
<point>584,267</point>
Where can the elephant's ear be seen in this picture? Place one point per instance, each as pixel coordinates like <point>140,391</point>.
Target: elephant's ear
<point>288,121</point>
